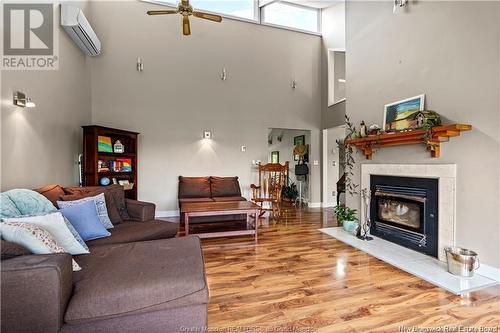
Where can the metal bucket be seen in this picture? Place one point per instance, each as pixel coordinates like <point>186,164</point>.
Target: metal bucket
<point>461,261</point>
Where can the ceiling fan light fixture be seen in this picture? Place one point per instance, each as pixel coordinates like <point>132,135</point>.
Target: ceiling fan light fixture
<point>185,9</point>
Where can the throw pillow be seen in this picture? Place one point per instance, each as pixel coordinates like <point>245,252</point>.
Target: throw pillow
<point>55,225</point>
<point>7,207</point>
<point>75,234</point>
<point>29,202</point>
<point>85,220</point>
<point>100,203</point>
<point>113,193</point>
<point>33,237</point>
<point>113,213</point>
<point>51,192</point>
<point>12,250</point>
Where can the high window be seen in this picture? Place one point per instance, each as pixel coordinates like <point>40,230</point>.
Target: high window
<point>290,15</point>
<point>277,13</point>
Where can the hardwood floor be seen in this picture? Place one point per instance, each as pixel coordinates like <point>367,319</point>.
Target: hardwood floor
<point>297,279</point>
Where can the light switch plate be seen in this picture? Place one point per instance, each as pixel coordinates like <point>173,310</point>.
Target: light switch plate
<point>316,162</point>
<point>243,148</point>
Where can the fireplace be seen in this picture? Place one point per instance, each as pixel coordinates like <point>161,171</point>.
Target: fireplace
<point>404,210</point>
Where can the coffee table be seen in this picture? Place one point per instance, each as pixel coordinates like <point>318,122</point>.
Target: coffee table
<point>194,209</point>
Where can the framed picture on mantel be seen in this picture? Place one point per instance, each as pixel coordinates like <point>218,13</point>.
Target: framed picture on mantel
<point>403,114</point>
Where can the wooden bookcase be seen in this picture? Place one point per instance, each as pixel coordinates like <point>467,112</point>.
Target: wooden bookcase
<point>91,157</point>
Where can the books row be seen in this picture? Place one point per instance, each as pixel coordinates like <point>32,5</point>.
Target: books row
<point>118,165</point>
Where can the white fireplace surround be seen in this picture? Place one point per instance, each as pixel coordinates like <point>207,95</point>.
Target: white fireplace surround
<point>447,177</point>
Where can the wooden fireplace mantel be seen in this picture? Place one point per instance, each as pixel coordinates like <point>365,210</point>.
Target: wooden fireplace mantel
<point>439,134</point>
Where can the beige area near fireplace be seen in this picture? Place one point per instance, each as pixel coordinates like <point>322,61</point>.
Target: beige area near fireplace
<point>447,177</point>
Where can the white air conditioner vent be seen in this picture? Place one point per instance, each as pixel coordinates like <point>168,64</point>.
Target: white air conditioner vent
<point>79,29</point>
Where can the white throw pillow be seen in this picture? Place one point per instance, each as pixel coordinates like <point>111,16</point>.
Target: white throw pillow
<point>33,237</point>
<point>55,225</point>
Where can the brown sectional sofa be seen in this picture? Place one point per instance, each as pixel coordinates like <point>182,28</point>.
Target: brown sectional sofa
<point>210,189</point>
<point>140,279</point>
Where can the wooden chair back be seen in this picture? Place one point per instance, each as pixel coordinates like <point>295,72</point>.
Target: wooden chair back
<point>272,178</point>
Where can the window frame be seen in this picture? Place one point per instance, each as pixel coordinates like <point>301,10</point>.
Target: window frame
<point>317,10</point>
<point>258,14</point>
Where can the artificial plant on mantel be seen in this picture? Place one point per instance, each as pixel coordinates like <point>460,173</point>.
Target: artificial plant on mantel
<point>350,186</point>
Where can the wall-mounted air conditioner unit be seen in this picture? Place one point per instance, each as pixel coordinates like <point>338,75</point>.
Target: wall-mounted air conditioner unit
<point>79,29</point>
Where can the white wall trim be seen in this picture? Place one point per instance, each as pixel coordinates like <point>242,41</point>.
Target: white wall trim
<point>489,272</point>
<point>167,213</point>
<point>321,204</point>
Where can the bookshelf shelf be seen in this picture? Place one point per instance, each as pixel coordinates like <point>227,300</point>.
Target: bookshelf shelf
<point>92,157</point>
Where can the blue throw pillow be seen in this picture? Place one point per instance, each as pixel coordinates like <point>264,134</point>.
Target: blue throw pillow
<point>85,220</point>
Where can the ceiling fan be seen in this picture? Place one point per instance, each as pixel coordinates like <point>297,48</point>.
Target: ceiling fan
<point>185,9</point>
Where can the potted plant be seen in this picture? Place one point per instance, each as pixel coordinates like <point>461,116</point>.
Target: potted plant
<point>346,217</point>
<point>290,192</point>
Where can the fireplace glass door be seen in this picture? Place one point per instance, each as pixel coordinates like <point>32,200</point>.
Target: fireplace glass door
<point>401,212</point>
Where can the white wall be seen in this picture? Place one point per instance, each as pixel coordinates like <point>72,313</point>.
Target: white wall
<point>450,51</point>
<point>180,93</point>
<point>40,145</point>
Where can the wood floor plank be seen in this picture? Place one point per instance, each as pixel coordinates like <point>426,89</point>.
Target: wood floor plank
<point>297,279</point>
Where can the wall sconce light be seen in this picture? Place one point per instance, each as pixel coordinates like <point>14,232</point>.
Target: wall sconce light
<point>399,4</point>
<point>294,84</point>
<point>21,100</point>
<point>207,135</point>
<point>223,74</point>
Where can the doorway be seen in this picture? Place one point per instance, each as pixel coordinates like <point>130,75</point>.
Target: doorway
<point>282,144</point>
<point>333,166</point>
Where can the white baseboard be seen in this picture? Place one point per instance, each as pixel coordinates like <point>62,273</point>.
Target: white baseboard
<point>315,204</point>
<point>328,204</point>
<point>167,213</point>
<point>489,272</point>
<point>321,204</point>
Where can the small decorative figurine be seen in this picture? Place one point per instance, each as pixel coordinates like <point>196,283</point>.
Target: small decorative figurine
<point>362,129</point>
<point>374,129</point>
<point>427,118</point>
<point>118,147</point>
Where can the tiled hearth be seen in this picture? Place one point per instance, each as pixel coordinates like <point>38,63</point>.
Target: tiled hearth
<point>413,262</point>
<point>418,264</point>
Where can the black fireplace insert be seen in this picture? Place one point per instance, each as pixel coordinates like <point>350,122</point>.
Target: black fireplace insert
<point>404,210</point>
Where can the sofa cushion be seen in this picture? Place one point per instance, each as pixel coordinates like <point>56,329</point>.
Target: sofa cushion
<point>224,199</point>
<point>52,192</point>
<point>128,232</point>
<point>183,200</point>
<point>11,250</point>
<point>161,273</point>
<point>194,187</point>
<point>225,187</point>
<point>113,194</point>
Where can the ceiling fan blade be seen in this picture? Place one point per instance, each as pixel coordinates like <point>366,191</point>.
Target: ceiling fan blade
<point>186,28</point>
<point>162,12</point>
<point>207,16</point>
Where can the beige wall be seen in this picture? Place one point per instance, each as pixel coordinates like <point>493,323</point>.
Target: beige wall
<point>450,51</point>
<point>180,93</point>
<point>41,145</point>
<point>333,30</point>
